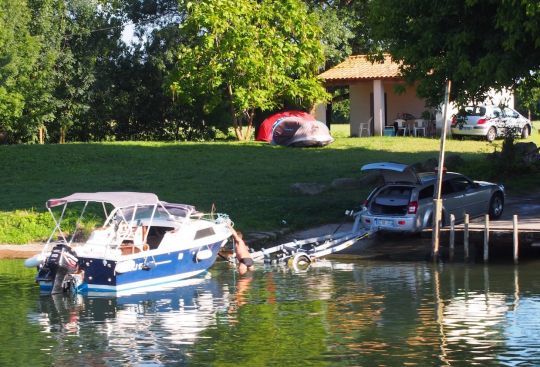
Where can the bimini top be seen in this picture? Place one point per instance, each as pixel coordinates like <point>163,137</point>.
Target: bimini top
<point>117,199</point>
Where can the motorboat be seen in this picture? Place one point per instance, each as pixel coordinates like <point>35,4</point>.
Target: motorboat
<point>143,242</point>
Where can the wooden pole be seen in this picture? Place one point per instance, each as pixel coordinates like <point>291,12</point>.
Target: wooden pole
<point>466,237</point>
<point>486,238</point>
<point>516,238</point>
<point>437,202</point>
<point>452,235</point>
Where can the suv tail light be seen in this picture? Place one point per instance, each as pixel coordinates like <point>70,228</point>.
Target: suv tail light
<point>482,121</point>
<point>413,207</point>
<point>454,120</point>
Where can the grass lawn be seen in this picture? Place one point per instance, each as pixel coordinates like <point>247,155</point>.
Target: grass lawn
<point>250,181</point>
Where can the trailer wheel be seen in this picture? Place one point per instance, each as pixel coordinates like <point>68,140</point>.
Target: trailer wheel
<point>300,262</point>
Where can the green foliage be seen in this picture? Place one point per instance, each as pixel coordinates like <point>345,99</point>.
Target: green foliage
<point>477,44</point>
<point>24,226</point>
<point>18,54</point>
<point>27,226</point>
<point>528,94</point>
<point>344,28</point>
<point>256,55</point>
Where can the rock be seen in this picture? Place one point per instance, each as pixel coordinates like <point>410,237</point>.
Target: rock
<point>345,183</point>
<point>428,165</point>
<point>308,188</point>
<point>454,162</point>
<point>524,149</point>
<point>527,152</point>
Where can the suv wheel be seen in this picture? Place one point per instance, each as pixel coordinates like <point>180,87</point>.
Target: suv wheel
<point>496,206</point>
<point>525,132</point>
<point>491,134</point>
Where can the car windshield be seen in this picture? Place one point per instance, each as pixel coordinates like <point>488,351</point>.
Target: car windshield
<point>474,111</point>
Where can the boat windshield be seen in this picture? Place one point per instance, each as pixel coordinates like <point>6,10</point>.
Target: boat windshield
<point>163,213</point>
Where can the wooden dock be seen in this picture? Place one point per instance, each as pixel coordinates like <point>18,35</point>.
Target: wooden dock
<point>483,237</point>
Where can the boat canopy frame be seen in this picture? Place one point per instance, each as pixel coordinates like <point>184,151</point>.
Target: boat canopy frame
<point>120,201</point>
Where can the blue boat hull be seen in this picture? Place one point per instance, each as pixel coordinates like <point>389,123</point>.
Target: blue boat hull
<point>135,274</point>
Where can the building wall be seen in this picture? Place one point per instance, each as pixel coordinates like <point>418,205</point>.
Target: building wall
<point>360,104</point>
<point>407,102</point>
<point>395,103</point>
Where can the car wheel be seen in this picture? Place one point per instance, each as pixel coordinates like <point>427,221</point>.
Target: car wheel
<point>496,206</point>
<point>491,134</point>
<point>525,132</point>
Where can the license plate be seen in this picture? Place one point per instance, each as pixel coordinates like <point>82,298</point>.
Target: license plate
<point>385,222</point>
<point>465,127</point>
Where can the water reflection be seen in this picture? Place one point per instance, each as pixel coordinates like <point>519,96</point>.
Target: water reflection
<point>141,328</point>
<point>335,314</point>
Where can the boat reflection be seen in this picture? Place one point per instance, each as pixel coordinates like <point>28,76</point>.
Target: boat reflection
<point>148,324</point>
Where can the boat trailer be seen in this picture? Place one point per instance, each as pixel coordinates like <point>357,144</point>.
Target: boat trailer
<point>299,254</point>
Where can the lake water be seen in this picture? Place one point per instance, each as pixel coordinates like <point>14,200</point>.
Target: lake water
<point>339,313</point>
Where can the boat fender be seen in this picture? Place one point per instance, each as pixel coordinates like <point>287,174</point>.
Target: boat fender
<point>204,255</point>
<point>300,261</point>
<point>125,266</point>
<point>34,261</point>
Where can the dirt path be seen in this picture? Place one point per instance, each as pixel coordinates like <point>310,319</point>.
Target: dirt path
<point>19,251</point>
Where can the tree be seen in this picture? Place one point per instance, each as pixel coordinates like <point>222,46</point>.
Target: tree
<point>18,54</point>
<point>478,44</point>
<point>528,94</point>
<point>344,28</point>
<point>254,54</point>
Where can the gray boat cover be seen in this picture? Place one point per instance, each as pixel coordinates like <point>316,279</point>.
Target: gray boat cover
<point>118,199</point>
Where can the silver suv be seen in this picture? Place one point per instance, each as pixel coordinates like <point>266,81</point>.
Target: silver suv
<point>489,122</point>
<point>404,203</point>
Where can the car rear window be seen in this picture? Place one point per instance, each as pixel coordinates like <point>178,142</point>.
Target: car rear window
<point>475,111</point>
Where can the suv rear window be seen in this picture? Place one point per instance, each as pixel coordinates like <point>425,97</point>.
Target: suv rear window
<point>391,200</point>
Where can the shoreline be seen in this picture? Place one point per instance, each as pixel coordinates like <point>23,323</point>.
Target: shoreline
<point>19,251</point>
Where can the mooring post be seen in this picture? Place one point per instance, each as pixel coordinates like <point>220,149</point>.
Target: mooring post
<point>486,238</point>
<point>516,238</point>
<point>452,235</point>
<point>466,237</point>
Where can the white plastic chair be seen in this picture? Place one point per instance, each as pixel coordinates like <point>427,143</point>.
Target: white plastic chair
<point>419,127</point>
<point>365,126</point>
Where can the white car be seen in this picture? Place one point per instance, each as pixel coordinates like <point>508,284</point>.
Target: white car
<point>489,122</point>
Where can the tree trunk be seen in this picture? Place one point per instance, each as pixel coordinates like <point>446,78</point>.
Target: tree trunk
<point>62,135</point>
<point>251,116</point>
<point>236,124</point>
<point>41,135</point>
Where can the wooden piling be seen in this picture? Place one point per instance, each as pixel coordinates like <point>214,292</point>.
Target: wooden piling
<point>452,235</point>
<point>466,237</point>
<point>516,238</point>
<point>486,238</point>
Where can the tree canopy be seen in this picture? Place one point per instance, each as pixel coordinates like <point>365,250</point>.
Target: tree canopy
<point>478,44</point>
<point>255,54</point>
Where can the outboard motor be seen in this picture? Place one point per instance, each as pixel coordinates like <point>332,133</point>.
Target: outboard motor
<point>61,262</point>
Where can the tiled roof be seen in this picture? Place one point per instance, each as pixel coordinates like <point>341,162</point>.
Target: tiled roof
<point>360,68</point>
